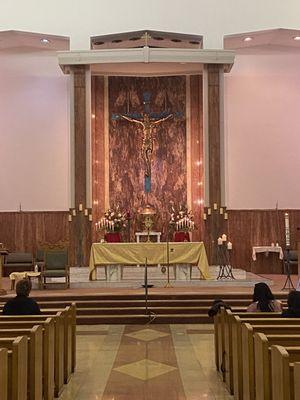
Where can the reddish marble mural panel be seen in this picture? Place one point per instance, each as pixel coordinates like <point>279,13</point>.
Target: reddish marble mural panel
<point>125,140</point>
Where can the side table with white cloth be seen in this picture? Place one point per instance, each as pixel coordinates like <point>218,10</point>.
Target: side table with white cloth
<point>270,263</point>
<point>267,250</point>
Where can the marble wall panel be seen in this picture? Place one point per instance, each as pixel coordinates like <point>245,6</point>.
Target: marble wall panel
<point>126,167</point>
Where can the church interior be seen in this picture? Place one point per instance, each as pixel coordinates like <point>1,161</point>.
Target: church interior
<point>149,189</point>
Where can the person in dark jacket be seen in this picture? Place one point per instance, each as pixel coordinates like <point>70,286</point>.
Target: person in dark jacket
<point>22,304</point>
<point>293,302</point>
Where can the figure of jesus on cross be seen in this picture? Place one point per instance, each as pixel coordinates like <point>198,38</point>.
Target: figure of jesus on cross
<point>147,145</point>
<point>148,121</point>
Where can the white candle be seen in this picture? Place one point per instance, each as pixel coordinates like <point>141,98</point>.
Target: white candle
<point>215,206</point>
<point>204,216</point>
<point>90,217</point>
<point>229,246</point>
<point>220,241</point>
<point>221,210</point>
<point>70,218</point>
<point>224,237</point>
<point>80,207</point>
<point>74,212</point>
<point>209,211</point>
<point>86,212</point>
<point>225,215</point>
<point>287,229</point>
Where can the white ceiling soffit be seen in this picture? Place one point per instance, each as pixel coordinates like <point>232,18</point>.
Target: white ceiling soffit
<point>146,55</point>
<point>281,38</point>
<point>10,40</point>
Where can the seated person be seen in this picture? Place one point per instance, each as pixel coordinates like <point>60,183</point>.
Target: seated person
<point>264,300</point>
<point>293,302</point>
<point>22,304</point>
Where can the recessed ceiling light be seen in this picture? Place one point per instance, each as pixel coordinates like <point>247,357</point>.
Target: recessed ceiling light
<point>296,38</point>
<point>45,41</point>
<point>248,39</point>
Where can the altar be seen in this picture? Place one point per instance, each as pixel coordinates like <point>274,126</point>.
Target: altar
<point>103,254</point>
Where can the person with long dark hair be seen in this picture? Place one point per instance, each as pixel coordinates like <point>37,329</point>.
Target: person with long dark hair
<point>264,300</point>
<point>293,301</point>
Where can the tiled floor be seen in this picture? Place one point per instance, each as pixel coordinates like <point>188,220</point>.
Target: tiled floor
<point>149,362</point>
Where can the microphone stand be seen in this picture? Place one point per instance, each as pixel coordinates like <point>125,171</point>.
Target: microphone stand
<point>146,286</point>
<point>168,284</point>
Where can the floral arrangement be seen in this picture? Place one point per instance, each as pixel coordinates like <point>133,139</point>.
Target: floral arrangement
<point>182,219</point>
<point>114,220</point>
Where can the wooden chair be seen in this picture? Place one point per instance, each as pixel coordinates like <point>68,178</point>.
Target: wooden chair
<point>56,265</point>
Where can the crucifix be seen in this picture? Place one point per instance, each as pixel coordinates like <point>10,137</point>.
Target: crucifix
<point>148,121</point>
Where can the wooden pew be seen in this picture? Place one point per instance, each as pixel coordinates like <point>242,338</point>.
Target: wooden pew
<point>262,360</point>
<point>297,380</point>
<point>229,320</point>
<point>282,361</point>
<point>3,373</point>
<point>35,357</point>
<point>58,343</point>
<point>284,326</point>
<point>48,350</point>
<point>17,366</point>
<point>69,313</point>
<point>237,355</point>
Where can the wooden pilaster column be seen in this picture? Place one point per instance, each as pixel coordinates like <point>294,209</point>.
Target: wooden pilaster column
<point>215,220</point>
<point>80,225</point>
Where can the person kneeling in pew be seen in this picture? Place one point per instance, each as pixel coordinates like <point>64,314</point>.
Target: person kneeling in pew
<point>22,304</point>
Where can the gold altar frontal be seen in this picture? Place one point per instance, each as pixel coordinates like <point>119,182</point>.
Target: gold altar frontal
<point>156,253</point>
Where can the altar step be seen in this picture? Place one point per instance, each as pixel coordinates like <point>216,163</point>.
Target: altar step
<point>142,319</point>
<point>179,308</point>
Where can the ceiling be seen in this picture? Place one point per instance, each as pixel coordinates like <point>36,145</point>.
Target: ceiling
<point>10,40</point>
<point>282,39</point>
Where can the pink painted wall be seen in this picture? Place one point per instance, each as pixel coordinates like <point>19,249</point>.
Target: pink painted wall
<point>262,131</point>
<point>34,132</point>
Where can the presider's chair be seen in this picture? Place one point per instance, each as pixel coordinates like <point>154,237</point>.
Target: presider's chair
<point>56,265</point>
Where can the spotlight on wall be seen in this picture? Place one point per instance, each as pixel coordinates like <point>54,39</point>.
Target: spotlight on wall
<point>296,37</point>
<point>45,41</point>
<point>248,39</point>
